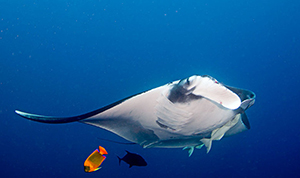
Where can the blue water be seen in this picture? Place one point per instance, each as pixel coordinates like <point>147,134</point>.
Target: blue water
<point>61,57</point>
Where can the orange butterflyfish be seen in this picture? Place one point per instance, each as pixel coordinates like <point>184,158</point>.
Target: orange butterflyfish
<point>93,162</point>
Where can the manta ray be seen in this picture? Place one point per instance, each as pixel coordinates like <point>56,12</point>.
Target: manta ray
<point>187,113</point>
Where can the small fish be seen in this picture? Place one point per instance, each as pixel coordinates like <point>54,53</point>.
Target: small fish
<point>133,159</point>
<point>95,159</point>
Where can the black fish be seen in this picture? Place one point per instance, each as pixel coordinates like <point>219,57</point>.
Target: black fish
<point>133,159</point>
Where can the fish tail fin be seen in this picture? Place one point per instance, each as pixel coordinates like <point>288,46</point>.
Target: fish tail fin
<point>119,160</point>
<point>190,150</point>
<point>207,143</point>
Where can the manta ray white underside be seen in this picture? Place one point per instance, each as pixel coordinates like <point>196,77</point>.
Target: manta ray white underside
<point>187,113</point>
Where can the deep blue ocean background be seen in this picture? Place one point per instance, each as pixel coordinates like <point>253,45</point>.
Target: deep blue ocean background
<point>62,57</point>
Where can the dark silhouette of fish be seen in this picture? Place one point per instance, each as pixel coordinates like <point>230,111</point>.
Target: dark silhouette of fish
<point>133,159</point>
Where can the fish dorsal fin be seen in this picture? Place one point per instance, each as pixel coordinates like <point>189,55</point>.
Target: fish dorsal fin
<point>219,133</point>
<point>213,90</point>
